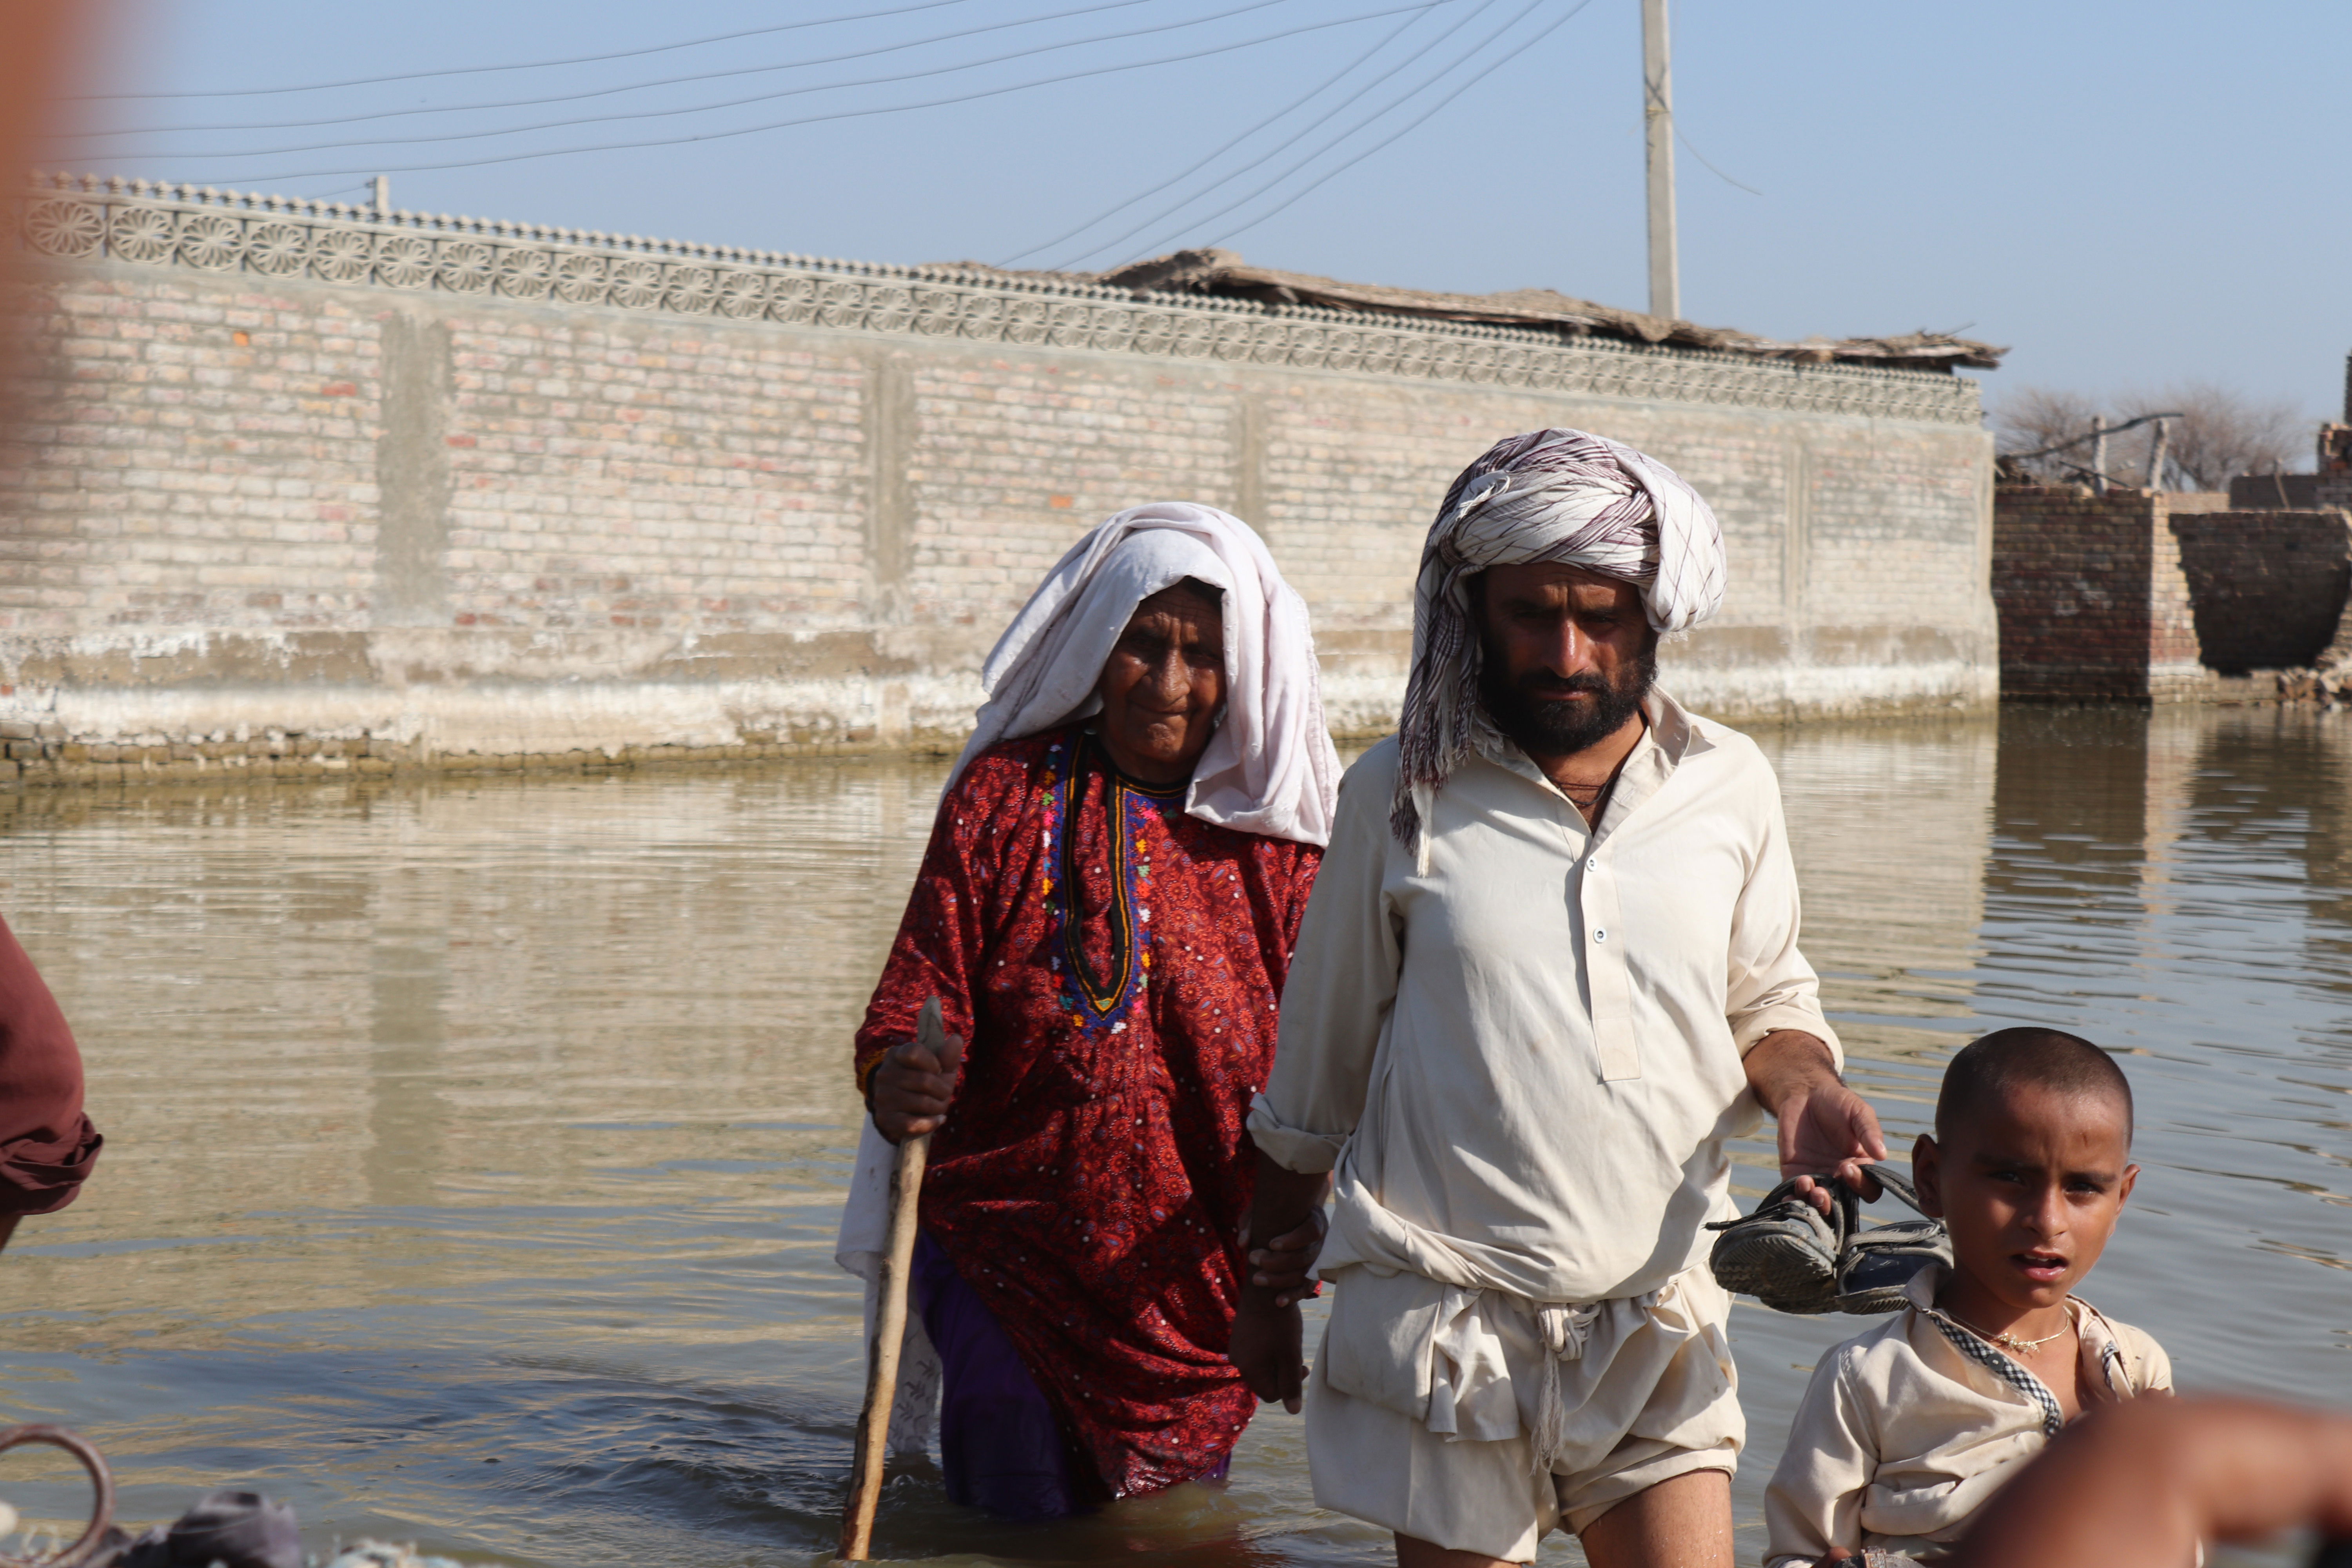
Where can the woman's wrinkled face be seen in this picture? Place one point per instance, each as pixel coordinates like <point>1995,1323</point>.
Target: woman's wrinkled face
<point>1163,685</point>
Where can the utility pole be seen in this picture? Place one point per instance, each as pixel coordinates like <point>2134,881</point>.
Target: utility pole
<point>383,195</point>
<point>1658,120</point>
<point>2099,454</point>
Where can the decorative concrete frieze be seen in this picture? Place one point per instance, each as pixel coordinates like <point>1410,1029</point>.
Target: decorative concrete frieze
<point>85,218</point>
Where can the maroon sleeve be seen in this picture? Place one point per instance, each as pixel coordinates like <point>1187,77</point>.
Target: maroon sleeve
<point>943,932</point>
<point>47,1145</point>
<point>1305,860</point>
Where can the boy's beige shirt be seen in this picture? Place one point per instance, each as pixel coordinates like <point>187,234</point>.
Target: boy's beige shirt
<point>1901,1438</point>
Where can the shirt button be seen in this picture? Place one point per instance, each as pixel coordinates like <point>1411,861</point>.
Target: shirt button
<point>1593,864</point>
<point>1600,936</point>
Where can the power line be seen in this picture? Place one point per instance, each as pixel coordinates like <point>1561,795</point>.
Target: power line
<point>729,103</point>
<point>1391,106</point>
<point>1290,201</point>
<point>380,167</point>
<point>1378,114</point>
<point>329,193</point>
<point>1281,147</point>
<point>1710,167</point>
<point>1187,174</point>
<point>1321,120</point>
<point>633,87</point>
<point>521,66</point>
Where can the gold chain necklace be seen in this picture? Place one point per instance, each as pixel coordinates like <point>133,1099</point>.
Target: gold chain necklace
<point>2011,1343</point>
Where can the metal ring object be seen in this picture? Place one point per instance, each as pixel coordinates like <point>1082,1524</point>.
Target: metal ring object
<point>101,1480</point>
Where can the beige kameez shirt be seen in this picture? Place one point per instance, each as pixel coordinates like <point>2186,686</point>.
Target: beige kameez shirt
<point>1525,1060</point>
<point>1901,1438</point>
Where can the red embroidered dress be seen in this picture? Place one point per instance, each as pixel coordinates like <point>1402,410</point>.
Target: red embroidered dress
<point>1114,966</point>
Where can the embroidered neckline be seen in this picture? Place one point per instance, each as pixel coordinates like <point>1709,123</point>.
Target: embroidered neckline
<point>1156,791</point>
<point>1100,1003</point>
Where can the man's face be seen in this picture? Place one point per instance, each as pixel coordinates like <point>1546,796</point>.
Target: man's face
<point>2029,1184</point>
<point>1567,656</point>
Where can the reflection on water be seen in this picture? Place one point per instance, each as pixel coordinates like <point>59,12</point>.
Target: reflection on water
<point>474,1149</point>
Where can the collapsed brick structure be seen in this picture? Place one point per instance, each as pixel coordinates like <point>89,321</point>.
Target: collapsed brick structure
<point>2117,598</point>
<point>2094,604</point>
<point>2147,597</point>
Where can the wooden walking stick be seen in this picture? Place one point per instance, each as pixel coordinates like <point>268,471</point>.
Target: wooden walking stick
<point>889,1323</point>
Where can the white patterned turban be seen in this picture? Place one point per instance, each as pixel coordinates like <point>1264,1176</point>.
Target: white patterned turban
<point>1549,495</point>
<point>1271,768</point>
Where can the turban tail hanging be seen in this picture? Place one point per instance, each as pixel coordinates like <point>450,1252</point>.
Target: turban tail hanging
<point>1561,496</point>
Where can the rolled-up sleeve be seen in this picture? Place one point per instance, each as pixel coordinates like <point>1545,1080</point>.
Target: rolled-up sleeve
<point>47,1147</point>
<point>1769,984</point>
<point>1343,980</point>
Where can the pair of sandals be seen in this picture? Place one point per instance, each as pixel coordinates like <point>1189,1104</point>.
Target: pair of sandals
<point>1794,1259</point>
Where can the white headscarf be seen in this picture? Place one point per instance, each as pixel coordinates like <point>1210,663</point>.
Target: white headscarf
<point>1549,495</point>
<point>1271,767</point>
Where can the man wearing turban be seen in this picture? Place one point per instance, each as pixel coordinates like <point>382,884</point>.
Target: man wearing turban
<point>1549,967</point>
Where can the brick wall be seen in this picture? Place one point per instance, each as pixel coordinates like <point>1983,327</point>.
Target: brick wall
<point>253,512</point>
<point>2269,587</point>
<point>2115,598</point>
<point>2091,601</point>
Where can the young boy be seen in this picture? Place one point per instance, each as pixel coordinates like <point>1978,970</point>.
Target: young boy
<point>1906,1430</point>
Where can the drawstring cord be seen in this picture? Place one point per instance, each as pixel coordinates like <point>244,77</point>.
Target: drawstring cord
<point>1564,1328</point>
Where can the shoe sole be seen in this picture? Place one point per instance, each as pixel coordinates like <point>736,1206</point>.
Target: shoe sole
<point>1784,1272</point>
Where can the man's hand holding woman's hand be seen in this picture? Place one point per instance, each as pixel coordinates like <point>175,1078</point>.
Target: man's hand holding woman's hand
<point>913,1087</point>
<point>1268,1339</point>
<point>1269,1349</point>
<point>1282,1265</point>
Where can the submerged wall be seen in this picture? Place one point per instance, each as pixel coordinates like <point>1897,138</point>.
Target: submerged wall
<point>2268,587</point>
<point>2114,598</point>
<point>445,490</point>
<point>2094,606</point>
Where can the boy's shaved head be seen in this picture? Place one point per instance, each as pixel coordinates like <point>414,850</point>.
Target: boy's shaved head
<point>2010,1059</point>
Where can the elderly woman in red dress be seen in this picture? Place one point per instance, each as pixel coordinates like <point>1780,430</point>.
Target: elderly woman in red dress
<point>1106,913</point>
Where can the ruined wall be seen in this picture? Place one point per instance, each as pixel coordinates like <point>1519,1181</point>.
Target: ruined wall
<point>2093,604</point>
<point>432,490</point>
<point>2269,587</point>
<point>2115,598</point>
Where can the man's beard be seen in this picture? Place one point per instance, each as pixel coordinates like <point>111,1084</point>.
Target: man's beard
<point>1531,716</point>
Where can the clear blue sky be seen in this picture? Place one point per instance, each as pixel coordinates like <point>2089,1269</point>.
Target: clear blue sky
<point>2127,194</point>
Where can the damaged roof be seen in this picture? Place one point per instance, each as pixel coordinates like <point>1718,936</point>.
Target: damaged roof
<point>1224,274</point>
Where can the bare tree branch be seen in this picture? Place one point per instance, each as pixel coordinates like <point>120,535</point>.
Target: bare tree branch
<point>2031,418</point>
<point>2220,434</point>
<point>2223,434</point>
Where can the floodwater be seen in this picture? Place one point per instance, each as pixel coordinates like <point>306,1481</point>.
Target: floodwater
<point>474,1148</point>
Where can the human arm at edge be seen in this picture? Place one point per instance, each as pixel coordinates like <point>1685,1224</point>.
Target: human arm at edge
<point>2141,1484</point>
<point>48,1146</point>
